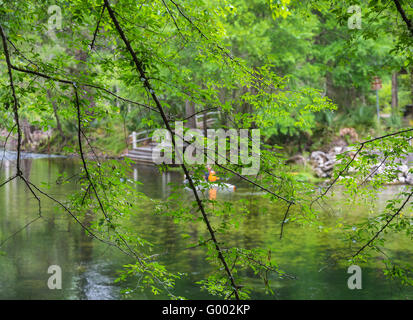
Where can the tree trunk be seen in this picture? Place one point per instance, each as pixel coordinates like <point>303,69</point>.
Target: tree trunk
<point>58,125</point>
<point>78,69</point>
<point>82,56</point>
<point>411,83</point>
<point>394,91</point>
<point>189,111</point>
<point>27,140</point>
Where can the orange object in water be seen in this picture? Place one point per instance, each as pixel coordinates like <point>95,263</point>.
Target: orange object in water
<point>212,194</point>
<point>212,177</point>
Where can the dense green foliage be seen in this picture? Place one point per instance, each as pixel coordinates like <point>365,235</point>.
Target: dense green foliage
<point>294,69</point>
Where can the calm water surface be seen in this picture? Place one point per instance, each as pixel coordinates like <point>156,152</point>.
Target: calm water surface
<point>89,267</point>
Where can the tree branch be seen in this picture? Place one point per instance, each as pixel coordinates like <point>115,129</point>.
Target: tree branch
<point>97,28</point>
<point>404,17</point>
<point>148,86</point>
<point>71,82</point>
<point>385,226</point>
<point>15,102</point>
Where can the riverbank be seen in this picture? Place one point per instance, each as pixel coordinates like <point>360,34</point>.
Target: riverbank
<point>322,164</point>
<point>315,167</point>
<point>48,143</point>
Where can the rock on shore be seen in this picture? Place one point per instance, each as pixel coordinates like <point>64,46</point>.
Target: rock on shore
<point>323,164</point>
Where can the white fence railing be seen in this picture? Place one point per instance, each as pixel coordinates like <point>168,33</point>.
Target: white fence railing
<point>141,136</point>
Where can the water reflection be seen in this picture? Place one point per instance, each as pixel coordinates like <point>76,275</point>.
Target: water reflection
<point>89,267</point>
<point>155,184</point>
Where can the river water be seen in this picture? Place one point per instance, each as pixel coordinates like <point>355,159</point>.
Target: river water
<point>89,267</point>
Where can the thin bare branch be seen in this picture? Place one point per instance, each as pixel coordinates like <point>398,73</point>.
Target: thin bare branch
<point>404,16</point>
<point>71,82</point>
<point>15,102</point>
<point>284,220</point>
<point>149,88</point>
<point>385,225</point>
<point>97,28</point>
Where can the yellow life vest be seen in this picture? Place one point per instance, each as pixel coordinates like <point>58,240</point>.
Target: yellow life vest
<point>212,177</point>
